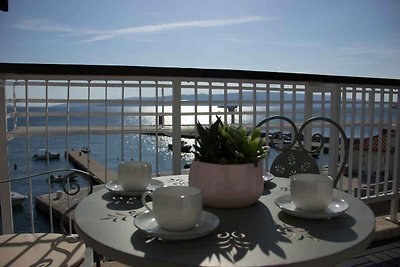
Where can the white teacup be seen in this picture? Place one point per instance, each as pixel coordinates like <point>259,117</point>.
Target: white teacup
<point>311,192</point>
<point>134,175</point>
<point>176,208</point>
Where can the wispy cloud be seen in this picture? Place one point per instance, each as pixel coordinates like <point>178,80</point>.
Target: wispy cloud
<point>41,25</point>
<point>277,43</point>
<point>175,26</point>
<point>364,50</point>
<point>93,35</point>
<point>294,44</point>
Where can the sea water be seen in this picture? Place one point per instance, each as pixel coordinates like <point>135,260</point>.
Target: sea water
<point>21,162</point>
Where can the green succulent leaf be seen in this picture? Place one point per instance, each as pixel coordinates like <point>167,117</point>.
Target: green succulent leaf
<point>225,144</point>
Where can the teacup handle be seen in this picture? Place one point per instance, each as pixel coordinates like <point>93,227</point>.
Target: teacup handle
<point>144,195</point>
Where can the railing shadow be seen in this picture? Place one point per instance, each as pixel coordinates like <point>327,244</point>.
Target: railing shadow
<point>115,202</point>
<point>299,228</point>
<point>241,231</point>
<point>43,250</point>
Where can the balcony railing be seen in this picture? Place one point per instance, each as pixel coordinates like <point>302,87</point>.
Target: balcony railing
<point>135,113</point>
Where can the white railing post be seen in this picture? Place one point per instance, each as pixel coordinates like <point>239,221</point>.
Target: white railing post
<point>394,205</point>
<point>308,113</point>
<point>5,200</point>
<point>176,126</point>
<point>333,133</point>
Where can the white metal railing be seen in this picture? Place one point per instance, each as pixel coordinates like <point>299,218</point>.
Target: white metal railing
<point>122,117</point>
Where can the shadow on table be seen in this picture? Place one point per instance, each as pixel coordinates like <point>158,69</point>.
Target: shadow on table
<point>336,229</point>
<point>268,186</point>
<point>121,203</point>
<point>239,233</point>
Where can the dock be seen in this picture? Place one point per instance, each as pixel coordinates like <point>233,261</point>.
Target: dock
<point>60,200</point>
<point>84,162</point>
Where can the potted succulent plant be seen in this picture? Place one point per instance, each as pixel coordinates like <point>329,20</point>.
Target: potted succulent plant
<point>227,166</point>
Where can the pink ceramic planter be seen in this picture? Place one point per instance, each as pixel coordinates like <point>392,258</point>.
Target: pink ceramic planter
<point>229,185</point>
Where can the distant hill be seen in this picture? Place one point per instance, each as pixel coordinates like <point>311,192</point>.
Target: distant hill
<point>246,96</point>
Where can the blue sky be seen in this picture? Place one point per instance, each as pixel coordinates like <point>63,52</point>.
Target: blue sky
<point>356,38</point>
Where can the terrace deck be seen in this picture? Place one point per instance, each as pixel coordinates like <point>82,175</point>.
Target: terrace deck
<point>387,254</point>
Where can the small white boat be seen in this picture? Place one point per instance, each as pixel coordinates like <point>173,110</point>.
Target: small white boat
<point>85,150</point>
<point>44,153</point>
<point>17,198</point>
<point>59,178</point>
<point>185,147</point>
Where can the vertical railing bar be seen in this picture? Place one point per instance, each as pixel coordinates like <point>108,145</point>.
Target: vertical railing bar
<point>338,95</point>
<point>140,120</point>
<point>210,102</point>
<point>225,108</point>
<point>163,105</point>
<point>281,108</point>
<point>379,152</point>
<point>176,126</point>
<point>5,188</point>
<point>267,114</point>
<point>294,99</point>
<point>67,148</point>
<point>106,131</point>
<point>388,141</point>
<point>371,136</point>
<point>196,88</point>
<point>196,84</point>
<point>88,125</point>
<point>47,156</point>
<point>123,122</point>
<point>322,128</point>
<point>343,113</point>
<point>308,113</point>
<point>334,134</point>
<point>396,168</point>
<point>240,103</point>
<point>15,117</point>
<point>157,125</point>
<point>28,141</point>
<point>361,144</point>
<point>254,104</point>
<point>351,152</point>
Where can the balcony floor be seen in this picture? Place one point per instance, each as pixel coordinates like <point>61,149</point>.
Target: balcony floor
<point>383,253</point>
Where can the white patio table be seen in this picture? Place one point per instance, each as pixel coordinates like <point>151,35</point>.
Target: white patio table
<point>258,235</point>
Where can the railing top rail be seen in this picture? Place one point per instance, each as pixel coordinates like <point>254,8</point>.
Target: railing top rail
<point>115,70</point>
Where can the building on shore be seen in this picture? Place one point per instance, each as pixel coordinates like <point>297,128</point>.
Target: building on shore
<point>386,151</point>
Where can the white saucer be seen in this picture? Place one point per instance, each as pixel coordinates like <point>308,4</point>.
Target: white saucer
<point>335,208</point>
<point>267,176</point>
<point>116,188</point>
<point>147,224</point>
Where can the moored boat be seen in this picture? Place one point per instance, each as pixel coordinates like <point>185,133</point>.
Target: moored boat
<point>44,153</point>
<point>85,149</point>
<point>59,178</point>
<point>17,198</point>
<point>185,147</point>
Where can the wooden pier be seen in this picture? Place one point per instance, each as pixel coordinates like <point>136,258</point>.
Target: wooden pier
<point>84,162</point>
<point>60,200</point>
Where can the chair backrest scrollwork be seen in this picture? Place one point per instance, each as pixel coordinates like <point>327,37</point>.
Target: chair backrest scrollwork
<point>298,159</point>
